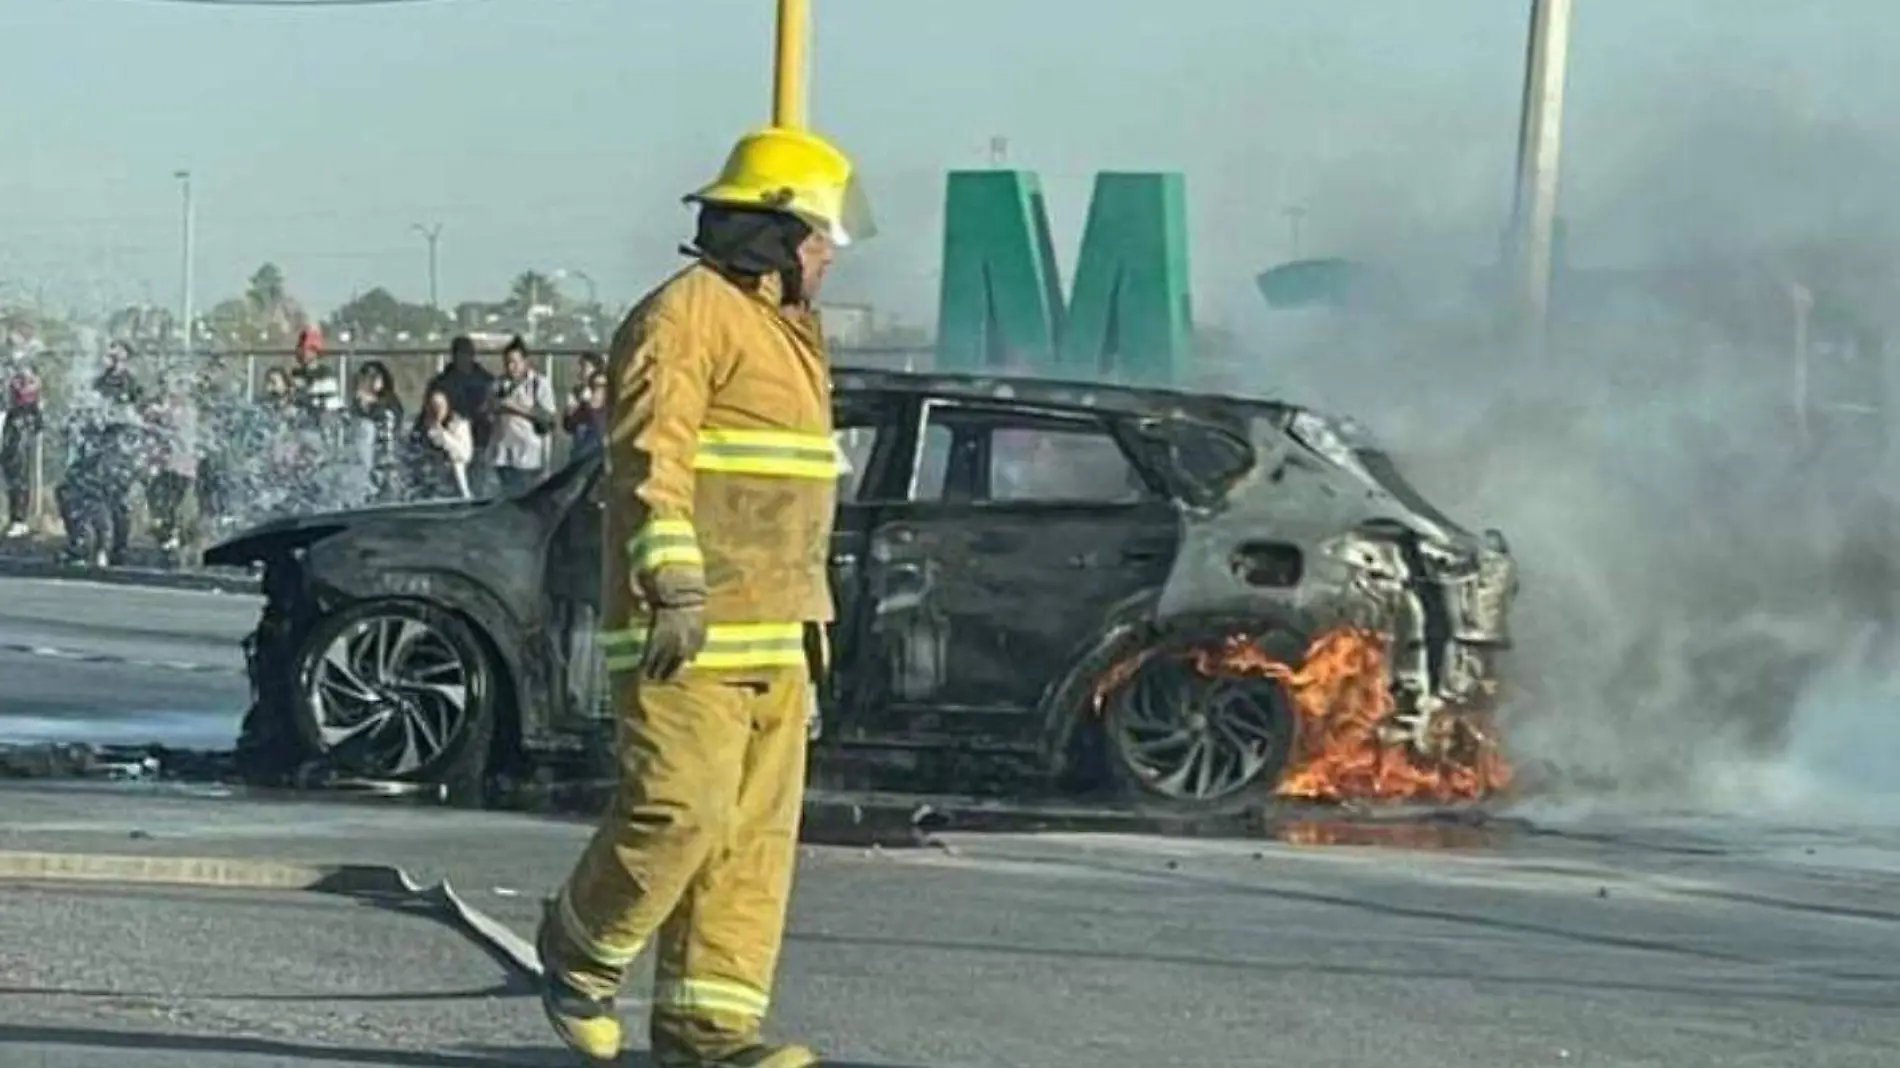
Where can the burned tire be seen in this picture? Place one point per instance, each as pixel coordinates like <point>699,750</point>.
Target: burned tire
<point>1194,741</point>
<point>398,691</point>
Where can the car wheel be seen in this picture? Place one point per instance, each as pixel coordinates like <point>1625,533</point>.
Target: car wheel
<point>398,691</point>
<point>1192,740</point>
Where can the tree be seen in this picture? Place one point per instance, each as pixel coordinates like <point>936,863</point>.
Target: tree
<point>377,316</point>
<point>531,290</point>
<point>266,287</point>
<point>265,315</point>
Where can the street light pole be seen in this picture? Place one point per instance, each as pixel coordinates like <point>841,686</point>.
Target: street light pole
<point>184,302</point>
<point>792,65</point>
<point>1540,136</point>
<point>431,234</point>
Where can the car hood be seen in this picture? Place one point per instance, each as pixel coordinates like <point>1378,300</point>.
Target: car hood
<point>295,531</point>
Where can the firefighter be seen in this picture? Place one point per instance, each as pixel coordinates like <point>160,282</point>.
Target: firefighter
<point>721,479</point>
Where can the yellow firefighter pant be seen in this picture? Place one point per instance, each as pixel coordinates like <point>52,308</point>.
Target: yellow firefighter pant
<point>698,846</point>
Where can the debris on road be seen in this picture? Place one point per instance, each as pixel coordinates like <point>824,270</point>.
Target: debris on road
<point>64,760</point>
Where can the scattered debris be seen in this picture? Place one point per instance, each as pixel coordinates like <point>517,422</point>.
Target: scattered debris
<point>61,760</point>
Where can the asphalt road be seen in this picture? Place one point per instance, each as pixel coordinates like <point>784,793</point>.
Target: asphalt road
<point>84,661</point>
<point>1604,942</point>
<point>1572,940</point>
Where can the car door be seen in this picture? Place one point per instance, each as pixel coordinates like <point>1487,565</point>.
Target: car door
<point>1023,530</point>
<point>573,591</point>
<point>872,429</point>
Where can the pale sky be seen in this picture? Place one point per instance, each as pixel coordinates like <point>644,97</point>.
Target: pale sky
<point>561,133</point>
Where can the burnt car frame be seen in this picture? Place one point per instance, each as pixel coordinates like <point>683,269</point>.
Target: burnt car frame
<point>1001,545</point>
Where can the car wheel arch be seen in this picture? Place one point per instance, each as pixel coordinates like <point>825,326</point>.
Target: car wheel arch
<point>462,763</point>
<point>1069,703</point>
<point>1124,627</point>
<point>497,630</point>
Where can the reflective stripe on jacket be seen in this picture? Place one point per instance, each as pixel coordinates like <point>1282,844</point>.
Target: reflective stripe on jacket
<point>721,468</point>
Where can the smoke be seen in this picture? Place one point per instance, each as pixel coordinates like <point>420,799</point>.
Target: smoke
<point>1707,614</point>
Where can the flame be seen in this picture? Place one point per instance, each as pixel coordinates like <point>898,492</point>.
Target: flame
<point>1341,700</point>
<point>1409,834</point>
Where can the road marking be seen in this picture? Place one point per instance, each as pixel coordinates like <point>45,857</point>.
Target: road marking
<point>82,657</point>
<point>122,585</point>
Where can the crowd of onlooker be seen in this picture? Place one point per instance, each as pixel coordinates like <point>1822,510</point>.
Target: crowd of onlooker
<point>303,441</point>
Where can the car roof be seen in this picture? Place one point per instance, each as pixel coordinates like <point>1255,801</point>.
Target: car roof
<point>1045,392</point>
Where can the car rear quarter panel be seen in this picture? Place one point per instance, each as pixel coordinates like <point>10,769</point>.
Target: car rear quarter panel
<point>1289,497</point>
<point>489,568</point>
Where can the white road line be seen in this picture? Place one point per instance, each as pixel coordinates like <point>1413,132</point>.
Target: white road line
<point>126,661</point>
<point>122,588</point>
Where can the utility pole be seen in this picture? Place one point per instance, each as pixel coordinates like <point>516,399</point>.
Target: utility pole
<point>791,67</point>
<point>1294,216</point>
<point>534,301</point>
<point>431,234</point>
<point>1540,136</point>
<point>184,302</point>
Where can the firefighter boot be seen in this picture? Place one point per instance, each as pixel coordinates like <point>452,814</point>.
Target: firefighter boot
<point>680,1044</point>
<point>584,1022</point>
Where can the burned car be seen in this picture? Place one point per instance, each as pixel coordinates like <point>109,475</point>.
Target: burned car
<point>1185,598</point>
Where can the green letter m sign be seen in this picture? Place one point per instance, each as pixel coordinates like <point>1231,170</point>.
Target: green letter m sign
<point>1000,306</point>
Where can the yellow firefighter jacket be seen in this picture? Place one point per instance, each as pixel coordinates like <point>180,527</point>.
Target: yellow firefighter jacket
<point>721,468</point>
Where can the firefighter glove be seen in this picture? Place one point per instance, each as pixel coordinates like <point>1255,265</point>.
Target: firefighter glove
<point>676,637</point>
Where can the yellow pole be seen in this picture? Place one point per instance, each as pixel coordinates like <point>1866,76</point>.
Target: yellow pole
<point>789,81</point>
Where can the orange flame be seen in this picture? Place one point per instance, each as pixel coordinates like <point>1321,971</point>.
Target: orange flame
<point>1340,700</point>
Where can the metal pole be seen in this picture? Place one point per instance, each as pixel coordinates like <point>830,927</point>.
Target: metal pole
<point>37,509</point>
<point>1540,135</point>
<point>790,70</point>
<point>534,301</point>
<point>547,373</point>
<point>432,234</point>
<point>184,303</point>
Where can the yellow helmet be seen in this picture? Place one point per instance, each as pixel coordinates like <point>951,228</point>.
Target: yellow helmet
<point>798,173</point>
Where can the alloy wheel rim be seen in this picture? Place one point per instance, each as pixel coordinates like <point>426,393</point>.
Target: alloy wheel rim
<point>390,695</point>
<point>1193,737</point>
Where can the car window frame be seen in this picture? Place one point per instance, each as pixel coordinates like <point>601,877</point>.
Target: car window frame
<point>884,474</point>
<point>980,468</point>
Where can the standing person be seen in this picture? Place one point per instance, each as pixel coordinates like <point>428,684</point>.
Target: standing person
<point>18,437</point>
<point>722,475</point>
<point>269,473</point>
<point>276,399</point>
<point>586,366</point>
<point>116,385</point>
<point>470,388</point>
<point>316,424</point>
<point>174,424</point>
<point>220,443</point>
<point>108,461</point>
<point>524,421</point>
<point>586,425</point>
<point>377,414</point>
<point>441,446</point>
<point>316,395</point>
